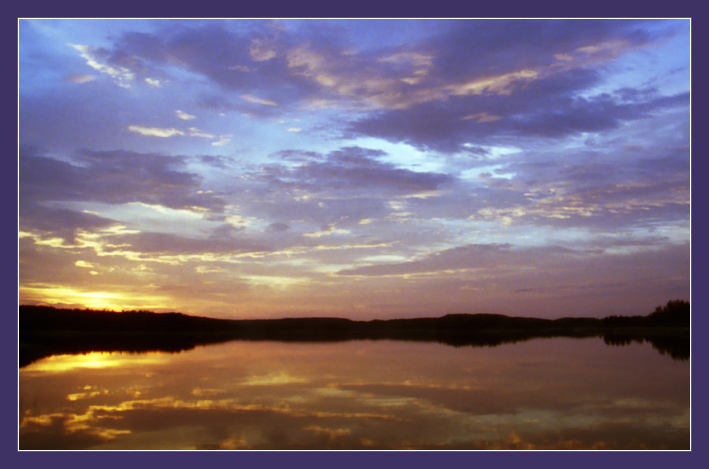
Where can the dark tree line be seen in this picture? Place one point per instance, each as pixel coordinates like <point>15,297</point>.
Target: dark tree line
<point>46,330</point>
<point>676,312</point>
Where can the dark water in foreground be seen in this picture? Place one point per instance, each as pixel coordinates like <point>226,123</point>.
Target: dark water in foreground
<point>559,393</point>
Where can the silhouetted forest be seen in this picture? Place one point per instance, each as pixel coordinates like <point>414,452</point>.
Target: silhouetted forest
<point>46,331</point>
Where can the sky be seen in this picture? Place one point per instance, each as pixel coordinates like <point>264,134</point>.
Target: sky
<point>358,168</point>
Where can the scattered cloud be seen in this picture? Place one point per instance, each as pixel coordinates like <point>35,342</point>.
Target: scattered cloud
<point>184,116</point>
<point>122,76</point>
<point>80,78</point>
<point>155,131</point>
<point>195,132</point>
<point>222,140</point>
<point>262,50</point>
<point>353,168</point>
<point>256,100</point>
<point>117,177</point>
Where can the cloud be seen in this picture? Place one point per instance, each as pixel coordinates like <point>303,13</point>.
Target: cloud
<point>80,78</point>
<point>482,117</point>
<point>589,188</point>
<point>195,132</point>
<point>496,85</point>
<point>463,257</point>
<point>327,231</point>
<point>309,65</point>
<point>262,49</point>
<point>184,116</point>
<point>118,177</point>
<point>432,93</point>
<point>122,76</point>
<point>242,68</point>
<point>278,227</point>
<point>496,261</point>
<point>155,131</point>
<point>59,222</point>
<point>354,168</point>
<point>252,64</point>
<point>309,68</point>
<point>506,45</point>
<point>256,100</point>
<point>220,140</point>
<point>547,109</point>
<point>220,162</point>
<point>150,243</point>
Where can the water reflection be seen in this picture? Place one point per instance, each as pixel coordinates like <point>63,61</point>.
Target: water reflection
<point>540,394</point>
<point>677,348</point>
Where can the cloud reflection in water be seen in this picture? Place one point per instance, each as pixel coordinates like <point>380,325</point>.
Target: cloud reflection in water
<point>541,394</point>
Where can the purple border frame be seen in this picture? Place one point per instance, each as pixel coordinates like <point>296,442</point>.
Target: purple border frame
<point>344,459</point>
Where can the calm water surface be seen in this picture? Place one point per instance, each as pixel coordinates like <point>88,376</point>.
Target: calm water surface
<point>539,394</point>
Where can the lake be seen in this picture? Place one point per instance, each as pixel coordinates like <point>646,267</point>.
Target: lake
<point>545,394</point>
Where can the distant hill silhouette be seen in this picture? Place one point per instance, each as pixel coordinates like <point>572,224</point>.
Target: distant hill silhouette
<point>48,331</point>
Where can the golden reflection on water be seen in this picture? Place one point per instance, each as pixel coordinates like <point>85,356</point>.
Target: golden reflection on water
<point>62,363</point>
<point>541,394</point>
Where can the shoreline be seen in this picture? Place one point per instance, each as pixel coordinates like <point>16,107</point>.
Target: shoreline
<point>46,331</point>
